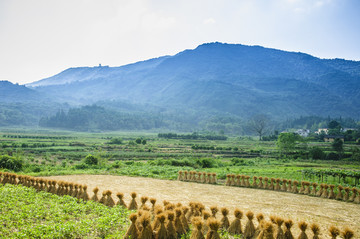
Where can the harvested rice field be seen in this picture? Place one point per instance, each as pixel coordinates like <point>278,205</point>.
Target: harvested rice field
<point>297,207</point>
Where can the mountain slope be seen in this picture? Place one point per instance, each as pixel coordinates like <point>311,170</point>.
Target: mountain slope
<point>224,78</point>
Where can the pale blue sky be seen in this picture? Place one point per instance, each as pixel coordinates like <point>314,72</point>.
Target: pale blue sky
<point>40,38</point>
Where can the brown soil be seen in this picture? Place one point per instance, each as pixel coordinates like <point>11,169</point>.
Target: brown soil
<point>325,212</point>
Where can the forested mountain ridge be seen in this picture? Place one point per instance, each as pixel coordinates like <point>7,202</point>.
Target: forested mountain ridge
<point>226,78</point>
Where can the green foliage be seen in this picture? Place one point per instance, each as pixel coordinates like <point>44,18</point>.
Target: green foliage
<point>116,141</point>
<point>332,156</point>
<point>11,163</point>
<point>91,160</point>
<point>337,145</point>
<point>26,213</point>
<point>138,141</point>
<point>317,153</point>
<point>287,141</point>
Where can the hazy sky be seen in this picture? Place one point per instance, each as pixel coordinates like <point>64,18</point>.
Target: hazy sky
<point>40,38</point>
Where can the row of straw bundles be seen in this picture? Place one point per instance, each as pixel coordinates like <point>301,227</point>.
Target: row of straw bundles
<point>52,186</point>
<point>173,221</point>
<point>199,177</point>
<point>325,191</point>
<point>184,215</point>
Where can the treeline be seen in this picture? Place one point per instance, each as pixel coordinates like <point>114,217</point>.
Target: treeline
<point>87,118</point>
<point>191,136</point>
<point>315,122</point>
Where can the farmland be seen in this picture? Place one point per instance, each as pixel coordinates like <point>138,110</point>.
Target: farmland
<point>45,152</point>
<point>106,160</point>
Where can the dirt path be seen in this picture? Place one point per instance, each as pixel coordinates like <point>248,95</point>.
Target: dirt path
<point>297,207</point>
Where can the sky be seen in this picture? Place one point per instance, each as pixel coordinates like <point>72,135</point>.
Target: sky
<point>40,38</point>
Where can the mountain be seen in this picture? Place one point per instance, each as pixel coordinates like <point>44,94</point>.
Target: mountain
<point>222,78</point>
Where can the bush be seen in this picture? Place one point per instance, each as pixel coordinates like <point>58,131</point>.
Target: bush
<point>91,160</point>
<point>116,141</point>
<point>138,141</point>
<point>206,163</point>
<point>317,153</point>
<point>11,163</point>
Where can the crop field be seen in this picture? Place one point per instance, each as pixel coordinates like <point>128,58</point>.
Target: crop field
<point>148,164</point>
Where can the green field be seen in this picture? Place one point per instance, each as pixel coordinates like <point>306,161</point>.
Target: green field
<point>26,213</point>
<point>48,152</point>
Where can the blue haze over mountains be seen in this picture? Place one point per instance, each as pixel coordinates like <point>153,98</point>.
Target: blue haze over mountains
<point>216,78</point>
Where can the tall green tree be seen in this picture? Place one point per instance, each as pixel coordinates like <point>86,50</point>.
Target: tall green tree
<point>287,141</point>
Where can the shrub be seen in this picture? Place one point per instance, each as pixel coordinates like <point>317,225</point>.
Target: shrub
<point>116,141</point>
<point>91,160</point>
<point>138,141</point>
<point>317,153</point>
<point>10,162</point>
<point>206,163</point>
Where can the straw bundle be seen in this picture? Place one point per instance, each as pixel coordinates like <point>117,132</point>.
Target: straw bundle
<point>133,205</point>
<point>319,193</point>
<point>307,188</point>
<point>95,197</point>
<point>162,232</point>
<point>280,232</point>
<point>325,193</point>
<point>295,188</point>
<point>214,210</point>
<point>224,222</point>
<point>249,230</point>
<point>316,230</point>
<point>289,187</point>
<point>170,227</point>
<point>197,233</point>
<point>334,232</point>
<point>214,225</point>
<point>277,186</point>
<point>203,178</point>
<point>313,191</point>
<point>143,200</point>
<point>146,232</point>
<point>199,179</point>
<point>109,201</point>
<point>268,231</point>
<point>272,186</point>
<point>303,227</point>
<point>339,195</point>
<point>103,198</point>
<point>85,195</point>
<point>331,194</point>
<point>288,224</point>
<point>179,227</point>
<point>132,232</point>
<point>228,180</point>
<point>121,201</point>
<point>347,233</point>
<point>235,226</point>
<point>205,227</point>
<point>238,181</point>
<point>260,219</point>
<point>208,179</point>
<point>353,195</point>
<point>213,179</point>
<point>180,176</point>
<point>266,184</point>
<point>261,185</point>
<point>232,180</point>
<point>186,178</point>
<point>184,221</point>
<point>302,188</point>
<point>254,184</point>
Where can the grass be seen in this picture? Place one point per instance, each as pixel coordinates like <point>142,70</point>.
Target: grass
<point>26,213</point>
